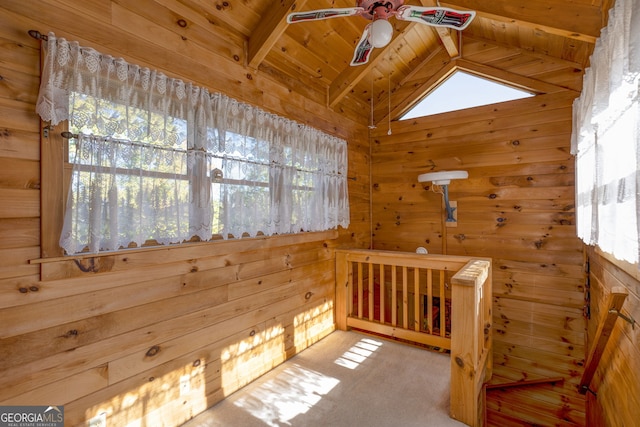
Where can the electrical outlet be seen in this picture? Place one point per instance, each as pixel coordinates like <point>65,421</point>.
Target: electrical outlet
<point>99,420</point>
<point>185,385</point>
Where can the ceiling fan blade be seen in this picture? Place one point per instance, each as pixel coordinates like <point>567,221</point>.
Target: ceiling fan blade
<point>363,48</point>
<point>316,15</point>
<point>437,16</point>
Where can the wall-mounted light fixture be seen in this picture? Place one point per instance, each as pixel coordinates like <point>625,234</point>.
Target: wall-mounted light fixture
<point>441,182</point>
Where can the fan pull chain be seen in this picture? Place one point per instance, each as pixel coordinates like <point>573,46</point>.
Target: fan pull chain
<point>371,125</point>
<point>389,112</point>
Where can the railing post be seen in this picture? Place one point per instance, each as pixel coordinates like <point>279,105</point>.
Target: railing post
<point>469,353</point>
<point>344,276</point>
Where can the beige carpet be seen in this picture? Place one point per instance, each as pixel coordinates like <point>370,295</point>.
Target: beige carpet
<point>347,379</point>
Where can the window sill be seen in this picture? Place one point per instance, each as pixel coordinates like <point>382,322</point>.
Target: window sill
<point>282,240</point>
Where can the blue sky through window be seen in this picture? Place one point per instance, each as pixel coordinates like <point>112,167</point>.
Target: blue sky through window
<point>463,90</point>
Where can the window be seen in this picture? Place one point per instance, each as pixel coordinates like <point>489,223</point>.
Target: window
<point>132,186</point>
<point>157,160</point>
<point>464,90</point>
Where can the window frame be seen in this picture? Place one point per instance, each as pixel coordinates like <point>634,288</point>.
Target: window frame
<point>55,178</point>
<point>535,87</point>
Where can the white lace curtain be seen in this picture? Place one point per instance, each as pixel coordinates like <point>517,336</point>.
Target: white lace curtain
<point>606,138</point>
<point>160,159</point>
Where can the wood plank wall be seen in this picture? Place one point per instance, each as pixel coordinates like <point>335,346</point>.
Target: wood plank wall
<point>617,380</point>
<point>152,336</point>
<point>517,207</point>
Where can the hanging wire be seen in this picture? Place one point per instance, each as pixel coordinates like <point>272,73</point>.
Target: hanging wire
<point>372,124</point>
<point>389,112</point>
<point>438,189</point>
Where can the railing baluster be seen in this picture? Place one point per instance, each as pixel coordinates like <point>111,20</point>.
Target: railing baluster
<point>405,298</point>
<point>443,306</point>
<point>416,298</point>
<point>383,295</point>
<point>371,292</point>
<point>350,289</point>
<point>422,306</point>
<point>394,296</point>
<point>430,301</point>
<point>360,291</point>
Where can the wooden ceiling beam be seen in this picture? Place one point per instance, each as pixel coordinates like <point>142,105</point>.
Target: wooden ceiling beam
<point>444,33</point>
<point>447,41</point>
<point>265,36</point>
<point>350,77</point>
<point>573,20</point>
<point>543,56</point>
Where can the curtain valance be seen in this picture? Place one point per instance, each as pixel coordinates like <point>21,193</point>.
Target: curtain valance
<point>606,138</point>
<point>257,172</point>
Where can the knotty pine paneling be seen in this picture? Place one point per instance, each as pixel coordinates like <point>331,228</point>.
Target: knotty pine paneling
<point>517,207</point>
<point>182,327</point>
<point>617,379</point>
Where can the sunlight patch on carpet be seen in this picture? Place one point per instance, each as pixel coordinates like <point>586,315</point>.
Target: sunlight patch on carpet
<point>357,354</point>
<point>292,393</point>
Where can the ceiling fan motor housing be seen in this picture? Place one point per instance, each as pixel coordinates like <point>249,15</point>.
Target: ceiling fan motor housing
<point>379,9</point>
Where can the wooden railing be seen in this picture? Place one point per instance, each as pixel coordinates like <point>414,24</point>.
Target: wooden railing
<point>437,300</point>
<point>603,333</point>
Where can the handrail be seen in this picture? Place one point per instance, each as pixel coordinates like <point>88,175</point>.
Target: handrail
<point>438,300</point>
<point>614,305</point>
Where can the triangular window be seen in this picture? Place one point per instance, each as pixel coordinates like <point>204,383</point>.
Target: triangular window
<point>464,90</point>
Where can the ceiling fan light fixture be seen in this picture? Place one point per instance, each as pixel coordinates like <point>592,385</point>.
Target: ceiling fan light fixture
<point>381,32</point>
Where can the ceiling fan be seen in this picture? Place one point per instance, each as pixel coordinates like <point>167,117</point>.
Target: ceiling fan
<point>379,32</point>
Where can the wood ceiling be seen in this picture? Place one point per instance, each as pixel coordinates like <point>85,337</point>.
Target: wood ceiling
<point>536,44</point>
